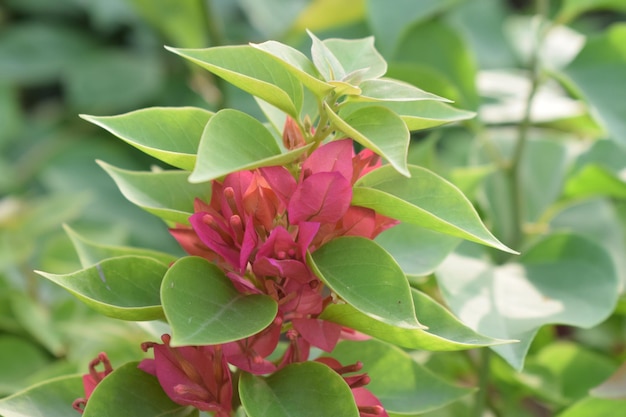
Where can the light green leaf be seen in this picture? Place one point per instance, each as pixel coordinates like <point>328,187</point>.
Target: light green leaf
<point>571,9</point>
<point>417,250</point>
<point>444,333</point>
<point>378,129</point>
<point>135,393</point>
<point>252,70</point>
<point>323,15</point>
<point>19,359</point>
<point>298,64</point>
<point>51,398</point>
<point>166,194</point>
<point>35,318</point>
<point>126,287</point>
<point>358,57</point>
<point>563,279</point>
<point>307,389</point>
<point>91,253</point>
<point>596,407</point>
<point>234,141</point>
<point>325,61</point>
<point>386,89</point>
<point>418,115</point>
<point>596,71</point>
<point>409,389</point>
<point>595,180</point>
<point>204,308</point>
<point>426,200</point>
<point>169,134</point>
<point>613,387</point>
<point>367,277</point>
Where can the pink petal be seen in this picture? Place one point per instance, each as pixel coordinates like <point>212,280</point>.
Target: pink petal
<point>332,157</point>
<point>363,398</point>
<point>320,333</point>
<point>280,180</point>
<point>323,197</point>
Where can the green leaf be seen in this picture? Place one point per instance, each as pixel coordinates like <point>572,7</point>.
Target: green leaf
<point>129,391</point>
<point>445,332</point>
<point>359,59</point>
<point>51,398</point>
<point>126,287</point>
<point>252,70</point>
<point>367,277</point>
<point>91,253</point>
<point>307,389</point>
<point>234,141</point>
<point>166,194</point>
<point>595,180</point>
<point>571,9</point>
<point>19,359</point>
<point>35,318</point>
<point>596,71</point>
<point>426,200</point>
<point>417,250</point>
<point>442,49</point>
<point>169,134</point>
<point>401,384</point>
<point>596,407</point>
<point>386,89</point>
<point>204,308</point>
<point>378,129</point>
<point>613,387</point>
<point>298,64</point>
<point>563,279</point>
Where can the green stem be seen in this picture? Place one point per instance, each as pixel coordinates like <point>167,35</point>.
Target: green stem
<point>514,168</point>
<point>483,382</point>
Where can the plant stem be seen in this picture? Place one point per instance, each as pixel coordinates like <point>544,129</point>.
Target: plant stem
<point>514,168</point>
<point>483,382</point>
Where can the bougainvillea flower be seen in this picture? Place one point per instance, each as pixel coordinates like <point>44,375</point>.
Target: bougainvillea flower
<point>92,379</point>
<point>323,197</point>
<point>319,333</point>
<point>192,375</point>
<point>367,403</point>
<point>250,354</point>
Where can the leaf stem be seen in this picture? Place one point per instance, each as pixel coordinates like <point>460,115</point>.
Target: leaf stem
<point>483,382</point>
<point>514,169</point>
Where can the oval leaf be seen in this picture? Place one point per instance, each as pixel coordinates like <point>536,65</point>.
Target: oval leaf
<point>378,129</point>
<point>126,287</point>
<point>445,332</point>
<point>204,308</point>
<point>234,141</point>
<point>170,134</point>
<point>367,277</point>
<point>129,391</point>
<point>410,388</point>
<point>358,57</point>
<point>307,389</point>
<point>563,279</point>
<point>393,90</point>
<point>254,71</point>
<point>426,200</point>
<point>166,194</point>
<point>51,398</point>
<point>90,253</point>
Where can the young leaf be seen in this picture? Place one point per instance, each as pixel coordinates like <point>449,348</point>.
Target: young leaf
<point>401,384</point>
<point>386,89</point>
<point>597,407</point>
<point>136,393</point>
<point>51,398</point>
<point>170,134</point>
<point>254,71</point>
<point>234,141</point>
<point>204,308</point>
<point>91,253</point>
<point>126,287</point>
<point>325,61</point>
<point>426,200</point>
<point>166,194</point>
<point>298,64</point>
<point>358,57</point>
<point>378,129</point>
<point>445,332</point>
<point>367,277</point>
<point>417,115</point>
<point>307,389</point>
<point>563,279</point>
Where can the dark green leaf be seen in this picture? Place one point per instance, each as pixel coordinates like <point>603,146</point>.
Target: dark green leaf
<point>367,277</point>
<point>307,389</point>
<point>204,308</point>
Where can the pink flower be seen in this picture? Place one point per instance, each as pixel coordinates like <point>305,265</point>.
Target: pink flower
<point>92,379</point>
<point>192,375</point>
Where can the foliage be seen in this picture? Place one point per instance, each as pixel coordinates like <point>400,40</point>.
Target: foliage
<point>495,224</point>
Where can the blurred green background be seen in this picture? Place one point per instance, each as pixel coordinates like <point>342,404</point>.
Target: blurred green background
<point>62,58</point>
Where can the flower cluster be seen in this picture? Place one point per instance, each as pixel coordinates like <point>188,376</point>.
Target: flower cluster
<point>258,227</point>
